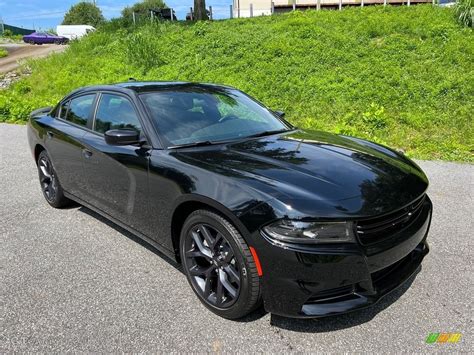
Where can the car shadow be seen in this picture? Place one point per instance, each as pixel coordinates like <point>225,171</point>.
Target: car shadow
<point>131,236</point>
<point>314,325</point>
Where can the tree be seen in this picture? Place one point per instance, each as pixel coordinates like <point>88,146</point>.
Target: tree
<point>84,13</point>
<point>143,8</point>
<point>200,10</point>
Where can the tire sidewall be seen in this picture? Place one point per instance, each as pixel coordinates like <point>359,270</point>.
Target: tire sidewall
<point>236,310</point>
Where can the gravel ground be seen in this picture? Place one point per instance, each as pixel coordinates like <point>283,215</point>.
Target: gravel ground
<point>70,281</point>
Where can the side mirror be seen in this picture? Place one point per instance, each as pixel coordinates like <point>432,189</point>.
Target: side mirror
<point>122,137</point>
<point>280,114</point>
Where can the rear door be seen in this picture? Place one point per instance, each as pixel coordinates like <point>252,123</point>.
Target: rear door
<point>49,38</point>
<point>117,176</point>
<point>63,141</point>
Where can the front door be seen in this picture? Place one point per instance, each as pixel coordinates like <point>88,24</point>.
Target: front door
<point>117,176</point>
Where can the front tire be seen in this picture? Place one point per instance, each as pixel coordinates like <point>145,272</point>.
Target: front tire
<point>50,186</point>
<point>219,265</point>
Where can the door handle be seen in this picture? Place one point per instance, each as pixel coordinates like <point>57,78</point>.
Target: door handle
<point>86,153</point>
<point>50,134</point>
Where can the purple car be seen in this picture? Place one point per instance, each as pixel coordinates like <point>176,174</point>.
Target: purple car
<point>43,38</point>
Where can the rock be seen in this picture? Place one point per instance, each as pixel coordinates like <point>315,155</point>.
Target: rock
<point>11,77</point>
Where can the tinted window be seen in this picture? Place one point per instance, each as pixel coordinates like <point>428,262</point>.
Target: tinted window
<point>80,109</point>
<point>208,113</point>
<point>115,112</point>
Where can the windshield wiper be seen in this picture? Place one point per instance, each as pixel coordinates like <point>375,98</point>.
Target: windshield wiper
<point>268,133</point>
<point>193,144</point>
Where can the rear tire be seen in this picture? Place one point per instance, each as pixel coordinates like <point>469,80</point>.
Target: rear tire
<point>49,182</point>
<point>219,265</point>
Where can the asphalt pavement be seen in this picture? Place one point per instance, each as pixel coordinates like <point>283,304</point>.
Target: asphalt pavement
<point>71,281</point>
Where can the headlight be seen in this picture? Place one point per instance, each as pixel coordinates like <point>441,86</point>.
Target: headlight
<point>310,232</point>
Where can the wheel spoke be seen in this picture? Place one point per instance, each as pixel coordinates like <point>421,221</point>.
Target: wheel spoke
<point>200,245</point>
<point>197,270</point>
<point>197,254</point>
<point>219,289</point>
<point>207,287</point>
<point>217,241</point>
<point>232,274</point>
<point>227,285</point>
<point>46,190</point>
<point>207,235</point>
<point>44,170</point>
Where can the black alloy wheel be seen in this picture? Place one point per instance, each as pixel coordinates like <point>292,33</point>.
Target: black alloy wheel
<point>211,262</point>
<point>219,265</point>
<point>50,186</point>
<point>48,180</point>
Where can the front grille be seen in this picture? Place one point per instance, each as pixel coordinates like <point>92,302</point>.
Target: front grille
<point>375,230</point>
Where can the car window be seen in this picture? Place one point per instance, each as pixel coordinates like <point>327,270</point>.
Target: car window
<point>62,111</point>
<point>80,109</point>
<point>115,112</point>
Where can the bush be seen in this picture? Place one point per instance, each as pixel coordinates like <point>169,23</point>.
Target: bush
<point>401,76</point>
<point>464,12</point>
<point>142,8</point>
<point>7,33</point>
<point>3,52</point>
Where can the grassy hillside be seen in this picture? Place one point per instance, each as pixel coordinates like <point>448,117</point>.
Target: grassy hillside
<point>397,75</point>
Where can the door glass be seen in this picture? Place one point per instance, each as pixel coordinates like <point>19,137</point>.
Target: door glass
<point>80,109</point>
<point>115,112</point>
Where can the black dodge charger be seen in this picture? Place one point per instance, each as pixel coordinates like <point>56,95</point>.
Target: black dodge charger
<point>255,210</point>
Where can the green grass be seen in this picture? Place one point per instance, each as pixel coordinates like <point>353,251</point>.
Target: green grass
<point>401,76</point>
<point>3,52</point>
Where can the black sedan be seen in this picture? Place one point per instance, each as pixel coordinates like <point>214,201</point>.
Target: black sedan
<point>255,210</point>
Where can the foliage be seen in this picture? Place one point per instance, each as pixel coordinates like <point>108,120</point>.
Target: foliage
<point>3,52</point>
<point>8,34</point>
<point>464,12</point>
<point>401,76</point>
<point>84,13</point>
<point>142,8</point>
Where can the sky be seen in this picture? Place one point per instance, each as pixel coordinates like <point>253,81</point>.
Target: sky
<point>47,14</point>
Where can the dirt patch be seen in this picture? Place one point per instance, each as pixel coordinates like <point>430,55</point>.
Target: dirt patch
<point>18,52</point>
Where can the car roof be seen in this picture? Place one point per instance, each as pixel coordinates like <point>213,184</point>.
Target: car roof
<point>143,86</point>
<point>147,86</point>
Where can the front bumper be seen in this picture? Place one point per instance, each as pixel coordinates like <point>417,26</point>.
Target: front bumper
<point>324,280</point>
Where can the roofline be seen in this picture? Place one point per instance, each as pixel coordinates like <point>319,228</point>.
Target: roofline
<point>137,85</point>
<point>140,86</point>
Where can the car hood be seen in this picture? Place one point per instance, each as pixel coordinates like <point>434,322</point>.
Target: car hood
<point>318,171</point>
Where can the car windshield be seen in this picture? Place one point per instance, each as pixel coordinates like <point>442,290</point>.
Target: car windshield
<point>208,114</point>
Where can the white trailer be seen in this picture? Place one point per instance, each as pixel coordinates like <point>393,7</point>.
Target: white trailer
<point>73,31</point>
